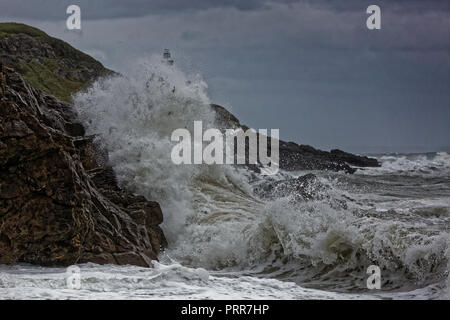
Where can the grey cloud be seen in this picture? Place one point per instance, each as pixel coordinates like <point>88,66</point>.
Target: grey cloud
<point>311,69</point>
<point>109,9</point>
<point>405,6</point>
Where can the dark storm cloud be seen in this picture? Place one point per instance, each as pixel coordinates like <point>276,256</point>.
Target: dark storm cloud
<point>310,68</point>
<point>108,9</point>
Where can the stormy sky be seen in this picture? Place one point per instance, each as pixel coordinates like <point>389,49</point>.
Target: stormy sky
<point>310,68</point>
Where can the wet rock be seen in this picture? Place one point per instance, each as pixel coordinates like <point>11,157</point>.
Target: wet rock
<point>354,160</point>
<point>59,203</point>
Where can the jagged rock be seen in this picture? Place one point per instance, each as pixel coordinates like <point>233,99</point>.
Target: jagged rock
<point>59,203</point>
<point>354,160</point>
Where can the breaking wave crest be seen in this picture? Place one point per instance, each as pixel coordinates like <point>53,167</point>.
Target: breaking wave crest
<point>215,220</point>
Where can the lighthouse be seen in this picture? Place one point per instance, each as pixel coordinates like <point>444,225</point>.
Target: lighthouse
<point>167,57</point>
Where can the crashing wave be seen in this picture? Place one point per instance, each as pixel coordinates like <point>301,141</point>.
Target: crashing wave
<point>215,220</point>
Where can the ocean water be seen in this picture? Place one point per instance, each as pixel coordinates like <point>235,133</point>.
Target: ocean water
<point>227,241</point>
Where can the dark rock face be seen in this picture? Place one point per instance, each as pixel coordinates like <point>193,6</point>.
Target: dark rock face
<point>301,157</point>
<point>295,157</point>
<point>354,159</point>
<point>58,204</point>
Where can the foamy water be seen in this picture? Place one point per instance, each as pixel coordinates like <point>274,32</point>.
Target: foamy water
<point>431,164</point>
<point>227,242</point>
<point>162,282</point>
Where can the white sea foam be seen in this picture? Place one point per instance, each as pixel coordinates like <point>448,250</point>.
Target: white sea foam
<point>161,282</point>
<point>169,282</point>
<point>424,165</point>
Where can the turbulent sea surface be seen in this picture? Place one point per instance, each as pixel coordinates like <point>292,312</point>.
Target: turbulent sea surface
<point>227,241</point>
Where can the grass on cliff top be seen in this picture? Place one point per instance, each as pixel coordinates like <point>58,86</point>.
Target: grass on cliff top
<point>46,73</point>
<point>8,28</point>
<point>41,76</point>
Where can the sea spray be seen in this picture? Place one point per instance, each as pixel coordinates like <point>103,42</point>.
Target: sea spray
<point>214,220</point>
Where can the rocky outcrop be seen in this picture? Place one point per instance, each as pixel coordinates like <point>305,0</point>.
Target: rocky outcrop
<point>302,157</point>
<point>47,63</point>
<point>59,203</point>
<point>294,157</point>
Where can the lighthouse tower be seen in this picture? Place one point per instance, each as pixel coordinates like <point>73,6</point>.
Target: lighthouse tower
<point>167,58</point>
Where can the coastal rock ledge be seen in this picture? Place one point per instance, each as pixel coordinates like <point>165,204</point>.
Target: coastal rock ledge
<point>60,204</point>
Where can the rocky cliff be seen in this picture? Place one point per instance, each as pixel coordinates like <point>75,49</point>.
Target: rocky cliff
<point>59,203</point>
